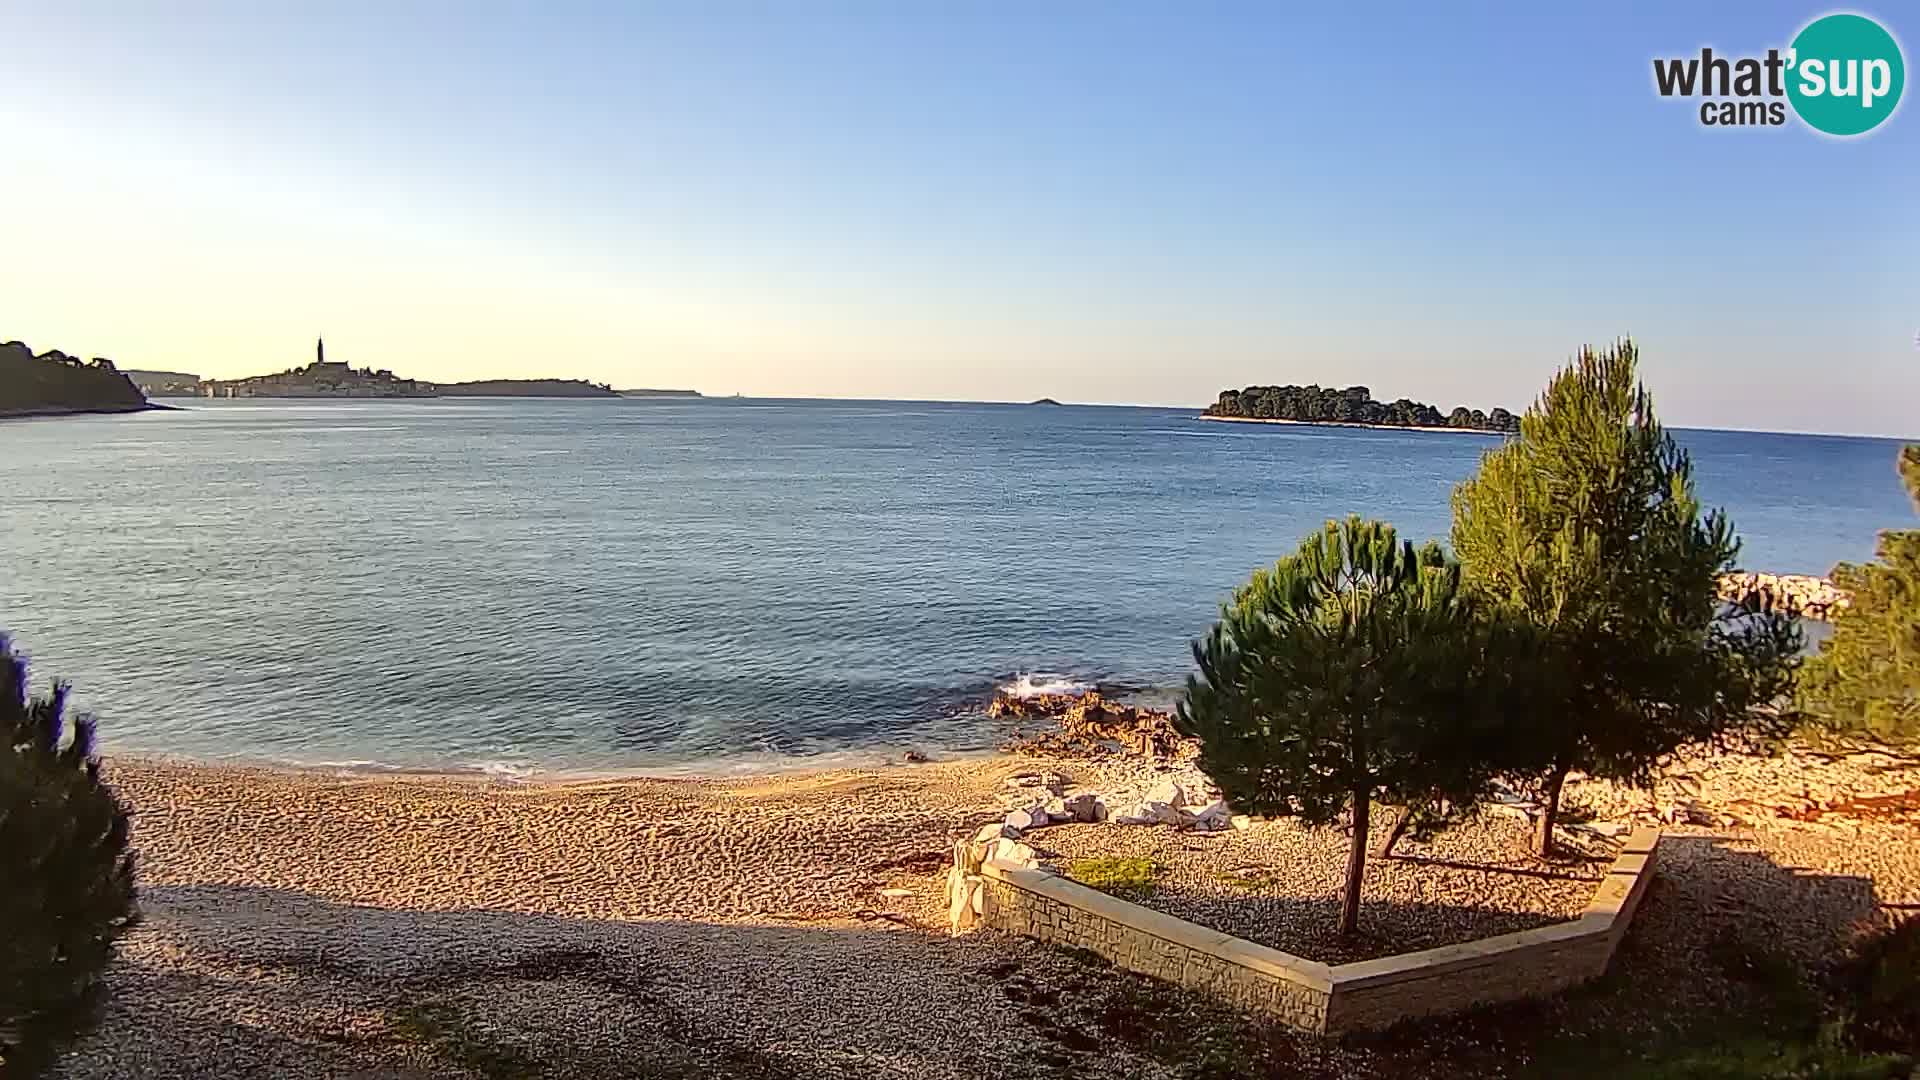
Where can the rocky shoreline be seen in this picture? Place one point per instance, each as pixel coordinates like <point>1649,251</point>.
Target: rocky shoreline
<point>1812,597</point>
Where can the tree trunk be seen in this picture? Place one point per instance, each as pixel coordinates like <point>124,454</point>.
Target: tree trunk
<point>1549,810</point>
<point>1356,866</point>
<point>1403,817</point>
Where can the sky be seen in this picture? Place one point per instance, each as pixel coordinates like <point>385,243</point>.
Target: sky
<point>1095,202</point>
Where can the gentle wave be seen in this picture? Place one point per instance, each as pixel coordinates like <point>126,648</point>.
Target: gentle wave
<point>1034,684</point>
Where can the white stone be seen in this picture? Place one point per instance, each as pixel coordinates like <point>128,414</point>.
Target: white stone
<point>1169,792</point>
<point>1241,822</point>
<point>995,831</point>
<point>896,894</point>
<point>1216,811</point>
<point>960,913</point>
<point>1015,852</point>
<point>1155,812</point>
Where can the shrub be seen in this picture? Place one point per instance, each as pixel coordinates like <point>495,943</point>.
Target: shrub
<point>1866,679</point>
<point>68,888</point>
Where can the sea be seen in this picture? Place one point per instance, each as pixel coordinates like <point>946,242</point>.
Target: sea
<point>549,587</point>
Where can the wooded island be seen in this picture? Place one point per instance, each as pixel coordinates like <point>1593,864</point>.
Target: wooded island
<point>1353,405</point>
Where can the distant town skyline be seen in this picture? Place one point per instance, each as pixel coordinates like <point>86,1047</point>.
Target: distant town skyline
<point>1127,205</point>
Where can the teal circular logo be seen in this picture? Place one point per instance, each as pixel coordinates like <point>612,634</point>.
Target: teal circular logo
<point>1845,74</point>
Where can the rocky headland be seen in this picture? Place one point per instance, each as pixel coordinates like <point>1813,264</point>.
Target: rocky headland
<point>55,384</point>
<point>1813,597</point>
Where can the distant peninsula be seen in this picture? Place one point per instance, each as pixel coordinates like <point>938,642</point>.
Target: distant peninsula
<point>1353,407</point>
<point>659,393</point>
<point>55,384</point>
<point>334,379</point>
<point>1044,401</point>
<point>524,388</point>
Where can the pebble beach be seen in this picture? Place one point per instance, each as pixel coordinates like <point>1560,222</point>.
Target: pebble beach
<point>320,924</point>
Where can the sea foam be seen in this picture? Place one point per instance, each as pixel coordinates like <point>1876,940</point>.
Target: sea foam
<point>1035,683</point>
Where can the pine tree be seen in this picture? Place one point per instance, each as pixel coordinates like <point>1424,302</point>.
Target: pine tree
<point>1866,679</point>
<point>66,878</point>
<point>1339,676</point>
<point>1586,531</point>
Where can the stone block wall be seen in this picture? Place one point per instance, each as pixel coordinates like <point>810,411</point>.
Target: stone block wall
<point>1019,898</point>
<point>1048,907</point>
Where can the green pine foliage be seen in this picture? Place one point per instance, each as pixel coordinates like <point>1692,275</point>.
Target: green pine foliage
<point>1342,675</point>
<point>66,878</point>
<point>1585,532</point>
<point>1865,682</point>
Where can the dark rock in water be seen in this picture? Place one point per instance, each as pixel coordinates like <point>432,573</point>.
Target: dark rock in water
<point>914,757</point>
<point>54,384</point>
<point>1091,724</point>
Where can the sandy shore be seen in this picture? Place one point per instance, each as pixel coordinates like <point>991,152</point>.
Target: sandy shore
<point>305,924</point>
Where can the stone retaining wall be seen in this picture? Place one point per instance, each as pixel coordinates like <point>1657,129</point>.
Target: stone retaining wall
<point>1007,892</point>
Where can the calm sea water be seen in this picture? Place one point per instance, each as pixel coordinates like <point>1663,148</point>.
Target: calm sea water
<point>728,583</point>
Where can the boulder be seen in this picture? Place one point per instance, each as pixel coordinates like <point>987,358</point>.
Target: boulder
<point>1211,815</point>
<point>1028,818</point>
<point>1169,792</point>
<point>1241,822</point>
<point>1081,806</point>
<point>1015,852</point>
<point>1155,812</point>
<point>995,831</point>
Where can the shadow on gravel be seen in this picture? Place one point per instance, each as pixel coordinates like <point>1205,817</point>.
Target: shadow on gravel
<point>1723,971</point>
<point>247,982</point>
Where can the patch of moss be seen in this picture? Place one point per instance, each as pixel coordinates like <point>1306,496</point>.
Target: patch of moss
<point>1117,874</point>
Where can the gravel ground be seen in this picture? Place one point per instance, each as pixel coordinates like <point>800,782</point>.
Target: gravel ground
<point>1279,884</point>
<point>312,925</point>
<point>305,924</point>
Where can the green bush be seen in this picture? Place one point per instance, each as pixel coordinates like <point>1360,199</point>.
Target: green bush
<point>68,889</point>
<point>1865,682</point>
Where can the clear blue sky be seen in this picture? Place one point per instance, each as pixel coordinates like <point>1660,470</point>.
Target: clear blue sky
<point>1093,202</point>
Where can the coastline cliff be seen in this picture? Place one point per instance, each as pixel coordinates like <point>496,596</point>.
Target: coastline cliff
<point>55,384</point>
